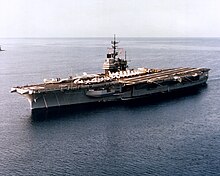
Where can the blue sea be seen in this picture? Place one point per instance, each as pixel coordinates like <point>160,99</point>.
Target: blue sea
<point>178,135</point>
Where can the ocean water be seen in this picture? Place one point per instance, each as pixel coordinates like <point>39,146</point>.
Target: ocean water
<point>179,135</point>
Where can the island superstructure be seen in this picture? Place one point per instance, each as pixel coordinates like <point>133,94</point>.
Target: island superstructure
<point>117,83</point>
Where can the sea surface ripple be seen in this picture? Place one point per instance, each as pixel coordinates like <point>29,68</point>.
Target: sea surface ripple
<point>178,135</point>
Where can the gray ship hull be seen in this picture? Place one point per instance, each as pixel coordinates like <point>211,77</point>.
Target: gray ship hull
<point>74,97</point>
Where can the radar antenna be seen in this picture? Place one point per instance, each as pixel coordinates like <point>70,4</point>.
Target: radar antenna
<point>114,46</point>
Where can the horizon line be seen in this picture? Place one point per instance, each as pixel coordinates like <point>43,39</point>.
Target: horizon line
<point>109,37</point>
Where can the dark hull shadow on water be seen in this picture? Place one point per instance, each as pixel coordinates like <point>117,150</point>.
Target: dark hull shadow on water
<point>85,109</point>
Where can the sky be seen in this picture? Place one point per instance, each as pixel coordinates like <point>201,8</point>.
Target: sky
<point>103,18</point>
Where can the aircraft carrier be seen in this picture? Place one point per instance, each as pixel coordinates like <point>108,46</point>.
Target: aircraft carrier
<point>116,83</point>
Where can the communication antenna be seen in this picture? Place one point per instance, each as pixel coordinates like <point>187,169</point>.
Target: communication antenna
<point>114,46</point>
